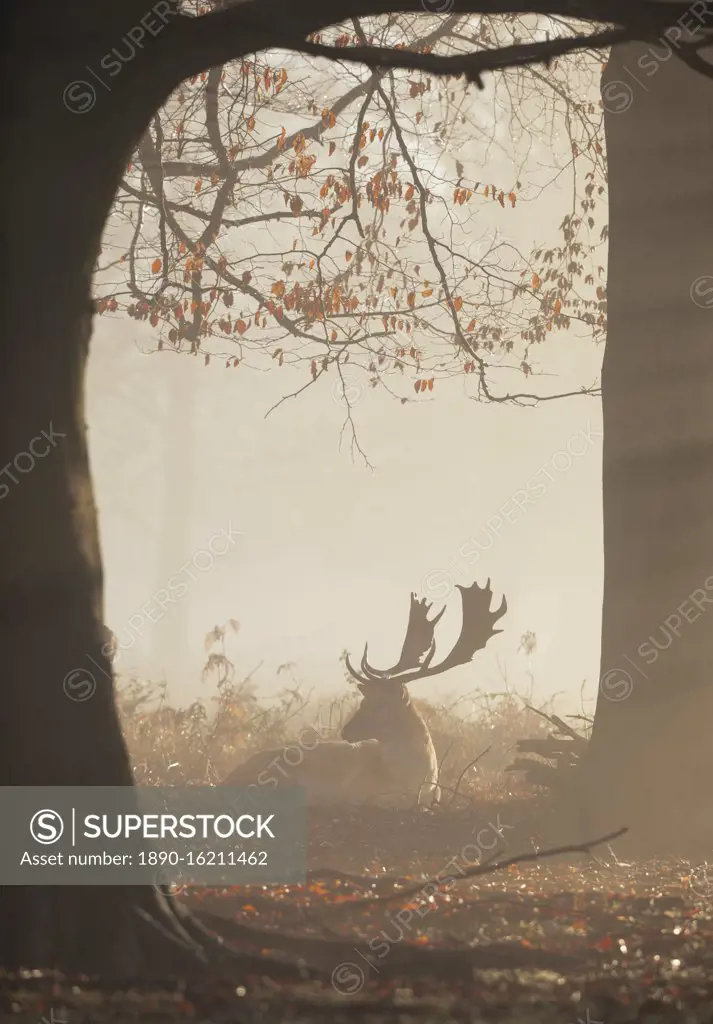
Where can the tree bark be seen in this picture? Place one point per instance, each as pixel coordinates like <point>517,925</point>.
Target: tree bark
<point>651,755</point>
<point>58,721</point>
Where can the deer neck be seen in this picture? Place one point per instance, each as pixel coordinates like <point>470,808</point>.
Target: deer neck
<point>410,732</point>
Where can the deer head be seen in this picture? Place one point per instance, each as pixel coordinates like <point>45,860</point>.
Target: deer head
<point>388,686</point>
<point>382,701</point>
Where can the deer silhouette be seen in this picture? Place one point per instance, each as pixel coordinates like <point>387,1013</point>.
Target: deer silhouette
<point>386,754</point>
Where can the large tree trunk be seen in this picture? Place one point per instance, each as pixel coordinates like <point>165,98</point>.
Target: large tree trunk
<point>651,756</point>
<point>58,723</point>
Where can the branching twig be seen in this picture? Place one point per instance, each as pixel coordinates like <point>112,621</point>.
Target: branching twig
<point>467,768</point>
<point>489,868</point>
<point>559,724</point>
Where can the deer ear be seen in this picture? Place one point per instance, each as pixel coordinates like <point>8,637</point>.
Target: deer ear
<point>361,688</point>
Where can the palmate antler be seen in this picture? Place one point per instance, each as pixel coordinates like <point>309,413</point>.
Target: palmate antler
<point>420,645</point>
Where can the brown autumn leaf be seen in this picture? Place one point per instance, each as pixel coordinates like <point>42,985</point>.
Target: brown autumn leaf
<point>156,266</point>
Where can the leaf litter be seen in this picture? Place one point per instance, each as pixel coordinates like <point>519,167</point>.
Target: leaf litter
<point>384,930</point>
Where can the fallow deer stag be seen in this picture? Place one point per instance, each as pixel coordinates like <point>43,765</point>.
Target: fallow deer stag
<point>386,754</point>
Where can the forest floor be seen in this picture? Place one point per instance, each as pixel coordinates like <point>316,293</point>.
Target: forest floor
<point>580,938</point>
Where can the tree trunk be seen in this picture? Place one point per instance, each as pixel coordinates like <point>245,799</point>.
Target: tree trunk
<point>651,755</point>
<point>58,724</point>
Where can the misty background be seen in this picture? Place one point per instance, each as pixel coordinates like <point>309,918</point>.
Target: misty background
<point>331,546</point>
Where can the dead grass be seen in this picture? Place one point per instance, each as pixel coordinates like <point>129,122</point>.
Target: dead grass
<point>199,744</point>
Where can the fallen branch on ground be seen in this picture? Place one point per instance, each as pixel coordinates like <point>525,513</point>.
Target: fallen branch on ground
<point>487,869</point>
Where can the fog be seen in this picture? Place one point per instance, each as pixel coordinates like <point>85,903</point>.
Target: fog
<point>340,520</point>
<point>330,547</point>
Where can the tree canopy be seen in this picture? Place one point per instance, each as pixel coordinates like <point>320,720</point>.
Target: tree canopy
<point>390,197</point>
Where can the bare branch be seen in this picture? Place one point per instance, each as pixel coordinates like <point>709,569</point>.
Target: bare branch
<point>471,65</point>
<point>195,44</point>
<point>481,869</point>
